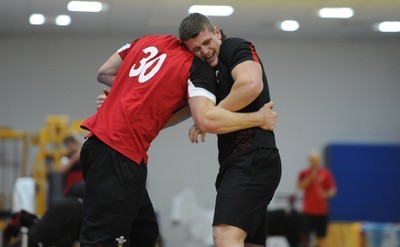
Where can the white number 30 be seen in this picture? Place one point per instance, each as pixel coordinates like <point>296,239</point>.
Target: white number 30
<point>146,63</point>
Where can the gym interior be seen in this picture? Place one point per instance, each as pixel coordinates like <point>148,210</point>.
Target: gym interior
<point>334,81</point>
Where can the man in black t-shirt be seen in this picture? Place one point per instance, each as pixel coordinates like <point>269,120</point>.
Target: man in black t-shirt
<point>250,165</point>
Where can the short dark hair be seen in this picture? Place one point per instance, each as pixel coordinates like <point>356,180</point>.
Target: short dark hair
<point>69,139</point>
<point>193,24</point>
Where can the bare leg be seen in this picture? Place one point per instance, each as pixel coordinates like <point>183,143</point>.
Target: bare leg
<point>228,236</point>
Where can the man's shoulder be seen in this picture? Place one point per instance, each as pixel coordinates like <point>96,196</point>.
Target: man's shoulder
<point>158,37</point>
<point>230,48</point>
<point>325,169</point>
<point>162,42</point>
<point>233,41</point>
<point>304,171</point>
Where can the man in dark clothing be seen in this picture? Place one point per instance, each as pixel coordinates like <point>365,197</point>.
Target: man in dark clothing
<point>58,227</point>
<point>250,166</point>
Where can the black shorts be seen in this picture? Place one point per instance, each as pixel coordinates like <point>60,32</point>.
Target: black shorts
<point>317,224</point>
<point>245,185</point>
<point>116,206</point>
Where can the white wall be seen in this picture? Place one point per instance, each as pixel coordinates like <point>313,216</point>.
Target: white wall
<point>325,91</point>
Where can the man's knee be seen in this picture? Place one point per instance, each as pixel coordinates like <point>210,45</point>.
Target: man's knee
<point>227,235</point>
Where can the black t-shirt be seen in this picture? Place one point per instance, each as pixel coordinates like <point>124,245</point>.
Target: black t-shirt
<point>234,51</point>
<point>202,80</point>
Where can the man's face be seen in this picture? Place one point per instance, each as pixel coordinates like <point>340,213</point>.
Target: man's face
<point>72,147</point>
<point>314,161</point>
<point>206,46</point>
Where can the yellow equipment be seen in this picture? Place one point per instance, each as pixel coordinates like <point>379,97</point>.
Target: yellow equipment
<point>51,150</point>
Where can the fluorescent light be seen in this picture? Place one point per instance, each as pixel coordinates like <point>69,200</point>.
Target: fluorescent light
<point>388,26</point>
<point>289,25</point>
<point>85,6</point>
<point>212,10</point>
<point>63,20</point>
<point>37,19</point>
<point>342,13</point>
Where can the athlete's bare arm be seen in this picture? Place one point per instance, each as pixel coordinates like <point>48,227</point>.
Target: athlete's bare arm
<point>248,84</point>
<point>215,119</point>
<point>108,71</point>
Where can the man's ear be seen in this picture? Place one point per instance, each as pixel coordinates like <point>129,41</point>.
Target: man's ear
<point>217,32</point>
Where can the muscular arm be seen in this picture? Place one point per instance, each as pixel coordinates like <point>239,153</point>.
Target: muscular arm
<point>248,84</point>
<point>215,119</point>
<point>108,71</point>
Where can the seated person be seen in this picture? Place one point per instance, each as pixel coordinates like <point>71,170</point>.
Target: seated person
<point>59,226</point>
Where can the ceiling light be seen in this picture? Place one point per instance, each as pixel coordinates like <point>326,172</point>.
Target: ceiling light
<point>63,20</point>
<point>388,26</point>
<point>212,10</point>
<point>37,19</point>
<point>85,6</point>
<point>336,13</point>
<point>289,25</point>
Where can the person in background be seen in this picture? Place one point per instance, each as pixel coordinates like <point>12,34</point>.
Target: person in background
<point>58,227</point>
<point>288,222</point>
<point>71,167</point>
<point>319,186</point>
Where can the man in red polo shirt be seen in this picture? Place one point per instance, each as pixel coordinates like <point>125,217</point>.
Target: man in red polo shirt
<point>319,186</point>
